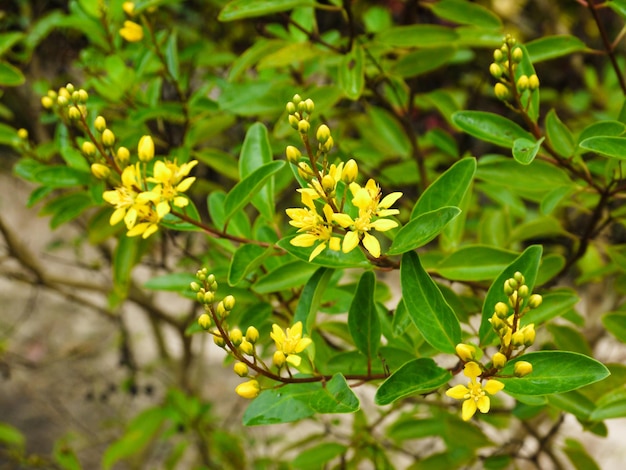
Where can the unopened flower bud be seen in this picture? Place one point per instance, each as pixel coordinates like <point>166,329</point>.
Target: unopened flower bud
<point>517,54</point>
<point>497,55</point>
<point>296,99</point>
<point>100,124</point>
<point>328,183</point>
<point>249,389</point>
<point>64,92</point>
<point>496,322</point>
<point>209,297</point>
<point>522,368</point>
<point>293,154</point>
<point>204,321</point>
<point>200,273</point>
<point>241,369</point>
<point>529,334</point>
<point>88,148</point>
<point>290,107</point>
<point>502,309</point>
<point>535,301</point>
<point>465,352</point>
<point>501,91</point>
<point>82,96</point>
<point>236,336</point>
<point>323,133</point>
<point>328,145</point>
<point>194,286</point>
<point>108,138</point>
<point>100,171</point>
<point>129,8</point>
<point>252,334</point>
<point>221,311</point>
<point>519,277</point>
<point>523,291</point>
<point>218,340</point>
<point>123,155</point>
<point>229,302</point>
<point>246,347</point>
<point>47,102</point>
<point>508,288</point>
<point>304,170</point>
<point>22,134</point>
<point>517,338</point>
<point>74,113</point>
<point>513,299</point>
<point>498,360</point>
<point>495,70</point>
<point>145,149</point>
<point>309,106</point>
<point>533,82</point>
<point>279,359</point>
<point>303,126</point>
<point>350,171</point>
<point>522,83</point>
<point>293,121</point>
<point>210,280</point>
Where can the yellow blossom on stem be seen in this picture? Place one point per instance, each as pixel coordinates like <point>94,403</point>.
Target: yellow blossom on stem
<point>131,31</point>
<point>249,389</point>
<point>290,342</point>
<point>475,394</point>
<point>123,197</point>
<point>171,181</point>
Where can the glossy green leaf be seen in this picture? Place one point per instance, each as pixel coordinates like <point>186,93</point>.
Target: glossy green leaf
<point>239,224</point>
<point>554,198</point>
<point>57,176</point>
<point>283,405</point>
<point>8,40</point>
<point>464,12</point>
<point>573,402</point>
<point>328,258</point>
<point>315,457</point>
<point>559,135</point>
<point>248,187</point>
<point>422,229</point>
<point>550,47</point>
<point>553,372</point>
<point>311,297</point>
<point>422,61</point>
<point>611,405</point>
<point>421,375</point>
<point>418,35</point>
<point>448,189</point>
<point>475,263</point>
<point>490,127</point>
<point>352,73</point>
<point>256,152</point>
<point>602,128</point>
<point>245,259</point>
<point>10,75</point>
<point>335,396</point>
<point>614,147</point>
<point>286,276</point>
<point>363,321</point>
<point>175,282</point>
<point>525,151</point>
<point>239,9</point>
<point>567,338</point>
<point>577,454</point>
<point>615,323</point>
<point>528,264</point>
<point>618,6</point>
<point>171,57</point>
<point>389,133</point>
<point>66,207</point>
<point>427,307</point>
<point>554,304</point>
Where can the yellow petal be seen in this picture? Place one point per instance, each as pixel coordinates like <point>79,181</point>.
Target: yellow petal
<point>130,218</point>
<point>371,244</point>
<point>152,228</point>
<point>137,229</point>
<point>350,242</point>
<point>382,225</point>
<point>483,404</point>
<point>389,200</point>
<point>304,240</point>
<point>471,370</point>
<point>294,360</point>
<point>468,410</point>
<point>343,219</point>
<point>493,386</point>
<point>335,244</point>
<point>278,335</point>
<point>318,249</point>
<point>117,216</point>
<point>303,344</point>
<point>185,184</point>
<point>458,392</point>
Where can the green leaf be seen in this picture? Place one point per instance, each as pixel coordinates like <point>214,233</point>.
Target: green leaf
<point>490,127</point>
<point>57,176</point>
<point>573,402</point>
<point>419,376</point>
<point>328,258</point>
<point>569,339</point>
<point>10,76</point>
<point>239,224</point>
<point>448,189</point>
<point>352,73</point>
<point>559,136</point>
<point>311,297</point>
<point>419,35</point>
<point>363,321</point>
<point>246,189</point>
<point>550,47</point>
<point>175,282</point>
<point>389,133</point>
<point>422,229</point>
<point>575,451</point>
<point>335,396</point>
<point>525,151</point>
<point>66,207</point>
<point>615,323</point>
<point>475,263</point>
<point>239,9</point>
<point>553,372</point>
<point>125,258</point>
<point>8,40</point>
<point>464,12</point>
<point>614,147</point>
<point>171,56</point>
<point>64,456</point>
<point>602,128</point>
<point>422,61</point>
<point>284,405</point>
<point>286,276</point>
<point>611,405</point>
<point>315,457</point>
<point>256,152</point>
<point>528,264</point>
<point>245,259</point>
<point>11,436</point>
<point>427,307</point>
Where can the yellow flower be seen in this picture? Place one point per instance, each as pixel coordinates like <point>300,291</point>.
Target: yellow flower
<point>123,197</point>
<point>172,181</point>
<point>249,389</point>
<point>290,342</point>
<point>131,31</point>
<point>474,394</point>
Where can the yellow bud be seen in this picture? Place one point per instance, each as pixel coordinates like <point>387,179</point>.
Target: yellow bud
<point>246,347</point>
<point>513,283</point>
<point>309,106</point>
<point>497,55</point>
<point>502,309</point>
<point>100,171</point>
<point>82,96</point>
<point>535,301</point>
<point>108,138</point>
<point>70,88</point>
<point>513,299</point>
<point>279,359</point>
<point>236,336</point>
<point>328,145</point>
<point>529,334</point>
<point>74,113</point>
<point>194,286</point>
<point>517,54</point>
<point>296,99</point>
<point>145,149</point>
<point>88,148</point>
<point>350,171</point>
<point>328,183</point>
<point>501,91</point>
<point>465,351</point>
<point>522,83</point>
<point>293,154</point>
<point>221,310</point>
<point>129,8</point>
<point>22,133</point>
<point>293,121</point>
<point>290,108</point>
<point>241,369</point>
<point>208,297</point>
<point>522,368</point>
<point>533,82</point>
<point>132,31</point>
<point>218,340</point>
<point>303,126</point>
<point>304,170</point>
<point>204,321</point>
<point>523,291</point>
<point>210,280</point>
<point>100,124</point>
<point>508,289</point>
<point>498,360</point>
<point>517,338</point>
<point>252,334</point>
<point>519,277</point>
<point>495,70</point>
<point>200,273</point>
<point>123,155</point>
<point>229,302</point>
<point>249,389</point>
<point>64,92</point>
<point>47,102</point>
<point>323,133</point>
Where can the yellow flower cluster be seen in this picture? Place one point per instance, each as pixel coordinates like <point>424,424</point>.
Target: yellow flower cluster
<point>504,67</point>
<point>475,394</point>
<point>333,202</point>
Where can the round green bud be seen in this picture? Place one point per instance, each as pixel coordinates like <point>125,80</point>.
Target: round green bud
<point>523,291</point>
<point>70,88</point>
<point>194,286</point>
<point>519,277</point>
<point>495,70</point>
<point>241,369</point>
<point>501,91</point>
<point>293,121</point>
<point>100,124</point>
<point>210,279</point>
<point>508,289</point>
<point>290,107</point>
<point>296,99</point>
<point>522,368</point>
<point>108,138</point>
<point>200,273</point>
<point>88,148</point>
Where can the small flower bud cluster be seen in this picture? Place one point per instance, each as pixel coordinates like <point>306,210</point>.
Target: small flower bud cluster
<point>70,102</point>
<point>504,68</point>
<point>299,111</point>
